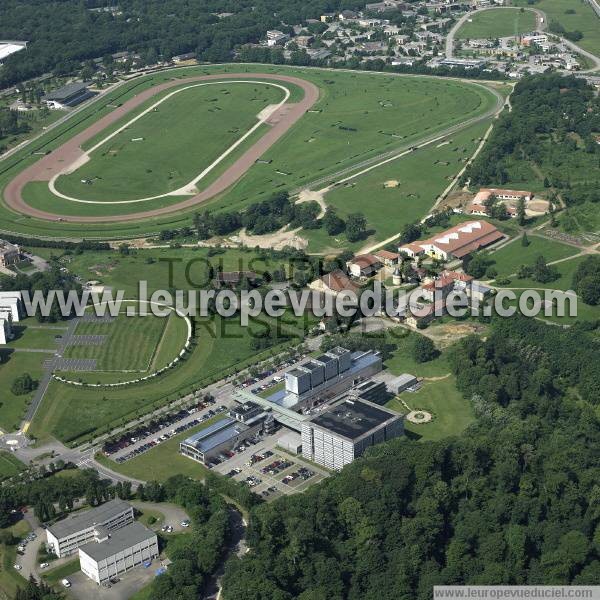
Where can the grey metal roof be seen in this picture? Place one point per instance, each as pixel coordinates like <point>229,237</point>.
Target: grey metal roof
<point>216,434</point>
<point>89,518</point>
<point>119,540</point>
<point>66,91</point>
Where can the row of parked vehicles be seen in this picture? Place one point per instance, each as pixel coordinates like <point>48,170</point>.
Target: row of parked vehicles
<point>268,373</point>
<point>227,454</point>
<point>169,434</point>
<point>134,435</point>
<point>302,473</point>
<point>276,467</point>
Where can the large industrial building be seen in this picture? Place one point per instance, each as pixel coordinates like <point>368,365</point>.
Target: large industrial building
<point>326,376</point>
<point>112,553</point>
<point>67,535</point>
<point>330,400</point>
<point>344,431</point>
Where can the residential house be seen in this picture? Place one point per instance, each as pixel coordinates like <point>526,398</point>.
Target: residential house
<point>364,265</point>
<point>387,258</point>
<point>334,283</point>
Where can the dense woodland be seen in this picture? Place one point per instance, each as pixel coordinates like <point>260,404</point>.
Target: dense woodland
<point>513,500</point>
<point>552,126</point>
<point>61,34</point>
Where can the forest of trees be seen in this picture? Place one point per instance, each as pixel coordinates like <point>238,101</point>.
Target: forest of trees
<point>513,500</point>
<point>62,34</point>
<point>549,114</point>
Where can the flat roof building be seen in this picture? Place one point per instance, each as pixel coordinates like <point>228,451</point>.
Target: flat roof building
<point>217,438</point>
<point>112,553</point>
<point>343,432</point>
<point>67,535</point>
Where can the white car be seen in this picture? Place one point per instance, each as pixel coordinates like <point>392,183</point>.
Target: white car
<point>18,567</point>
<point>66,583</point>
<point>43,565</point>
<point>185,523</point>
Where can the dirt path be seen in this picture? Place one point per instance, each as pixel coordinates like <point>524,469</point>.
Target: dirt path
<point>55,162</point>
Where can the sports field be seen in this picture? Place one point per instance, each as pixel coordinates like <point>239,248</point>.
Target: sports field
<point>129,344</point>
<point>169,145</point>
<point>358,116</point>
<point>497,23</point>
<point>399,192</point>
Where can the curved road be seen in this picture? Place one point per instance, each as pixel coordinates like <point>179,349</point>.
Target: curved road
<point>542,21</point>
<point>50,165</point>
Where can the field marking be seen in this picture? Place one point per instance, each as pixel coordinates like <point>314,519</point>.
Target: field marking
<point>189,188</point>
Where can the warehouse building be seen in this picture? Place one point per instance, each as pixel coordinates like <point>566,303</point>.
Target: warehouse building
<point>112,553</point>
<point>343,432</point>
<point>218,438</point>
<point>67,535</point>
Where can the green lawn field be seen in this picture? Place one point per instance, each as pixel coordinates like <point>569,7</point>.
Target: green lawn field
<point>222,347</point>
<point>452,414</point>
<point>358,116</point>
<point>129,346</point>
<point>415,181</point>
<point>170,145</point>
<point>402,361</point>
<point>162,461</point>
<point>12,408</point>
<point>583,19</point>
<point>498,22</point>
<point>189,267</point>
<point>507,260</point>
<point>34,336</point>
<point>9,465</point>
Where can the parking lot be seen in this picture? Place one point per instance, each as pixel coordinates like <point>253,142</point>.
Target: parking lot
<point>161,430</point>
<point>270,471</point>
